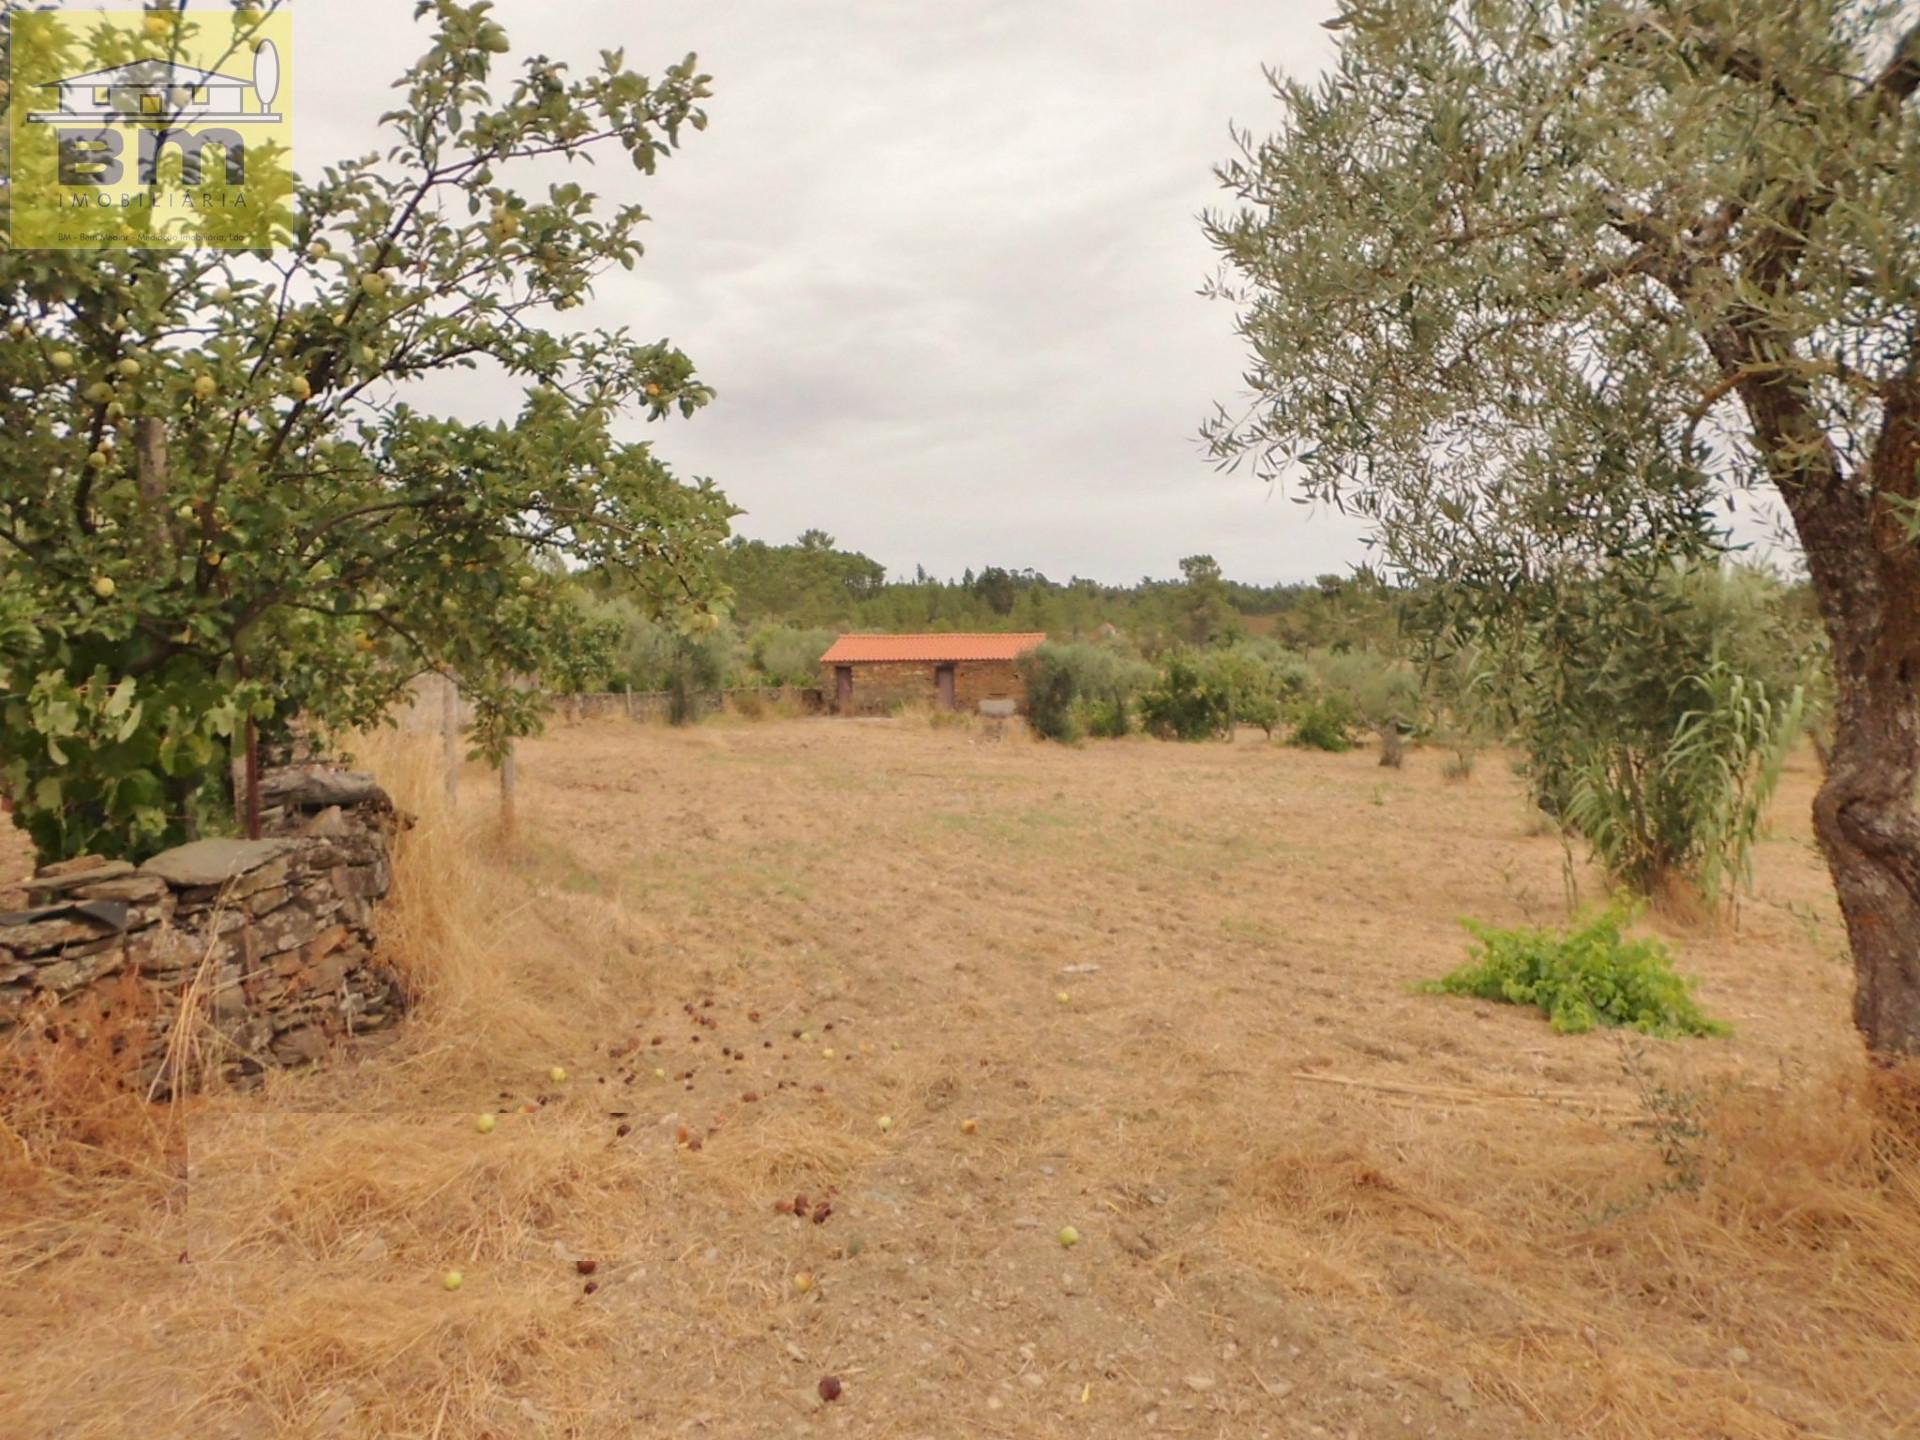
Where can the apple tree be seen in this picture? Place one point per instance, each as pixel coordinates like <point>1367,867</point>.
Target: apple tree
<point>222,505</point>
<point>1529,282</point>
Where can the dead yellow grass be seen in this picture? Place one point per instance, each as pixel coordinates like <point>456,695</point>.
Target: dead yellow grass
<point>1310,1201</point>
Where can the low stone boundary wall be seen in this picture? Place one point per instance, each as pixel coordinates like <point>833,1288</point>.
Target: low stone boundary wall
<point>654,704</point>
<point>270,940</point>
<point>430,710</point>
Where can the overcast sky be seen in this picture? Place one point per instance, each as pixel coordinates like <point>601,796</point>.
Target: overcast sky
<point>938,259</point>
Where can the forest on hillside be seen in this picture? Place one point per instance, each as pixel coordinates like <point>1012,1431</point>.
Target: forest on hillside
<point>814,582</point>
<point>789,601</point>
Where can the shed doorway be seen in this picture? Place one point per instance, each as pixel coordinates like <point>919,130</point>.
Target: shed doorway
<point>843,688</point>
<point>943,681</point>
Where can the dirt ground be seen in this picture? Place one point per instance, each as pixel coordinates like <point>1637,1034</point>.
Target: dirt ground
<point>966,993</point>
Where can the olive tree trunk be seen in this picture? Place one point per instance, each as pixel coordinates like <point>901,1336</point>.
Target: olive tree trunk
<point>1864,560</point>
<point>1866,824</point>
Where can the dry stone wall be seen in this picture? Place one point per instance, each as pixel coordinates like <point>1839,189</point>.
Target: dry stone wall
<point>269,942</point>
<point>657,704</point>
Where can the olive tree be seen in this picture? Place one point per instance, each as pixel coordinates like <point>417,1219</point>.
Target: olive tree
<point>221,507</point>
<point>1532,282</point>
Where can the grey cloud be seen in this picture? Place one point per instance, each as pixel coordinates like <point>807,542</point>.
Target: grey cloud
<point>939,260</point>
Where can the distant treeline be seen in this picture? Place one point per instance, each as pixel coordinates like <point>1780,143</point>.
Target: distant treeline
<point>814,584</point>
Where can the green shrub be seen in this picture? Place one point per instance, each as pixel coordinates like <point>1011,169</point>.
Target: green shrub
<point>1288,676</point>
<point>1106,719</point>
<point>1254,707</point>
<point>1068,684</point>
<point>1654,712</point>
<point>1205,693</point>
<point>1323,723</point>
<point>1249,679</point>
<point>1378,689</point>
<point>651,656</point>
<point>1590,975</point>
<point>1692,806</point>
<point>1188,703</point>
<point>789,655</point>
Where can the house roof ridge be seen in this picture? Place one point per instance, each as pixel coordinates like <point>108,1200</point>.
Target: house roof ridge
<point>937,646</point>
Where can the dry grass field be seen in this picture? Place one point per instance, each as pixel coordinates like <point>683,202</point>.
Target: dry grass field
<point>1156,993</point>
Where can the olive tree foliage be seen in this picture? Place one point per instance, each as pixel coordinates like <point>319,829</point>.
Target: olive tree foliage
<point>219,506</point>
<point>1532,282</point>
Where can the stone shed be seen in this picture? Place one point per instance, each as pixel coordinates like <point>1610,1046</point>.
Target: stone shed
<point>870,674</point>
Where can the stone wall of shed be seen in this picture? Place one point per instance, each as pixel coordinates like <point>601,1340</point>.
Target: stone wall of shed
<point>977,680</point>
<point>269,943</point>
<point>878,686</point>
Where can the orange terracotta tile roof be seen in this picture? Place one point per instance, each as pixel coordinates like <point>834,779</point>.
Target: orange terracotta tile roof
<point>858,649</point>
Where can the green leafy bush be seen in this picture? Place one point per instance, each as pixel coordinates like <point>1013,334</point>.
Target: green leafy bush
<point>650,655</point>
<point>789,654</point>
<point>1287,675</point>
<point>1106,719</point>
<point>1654,711</point>
<point>1323,723</point>
<point>1590,975</point>
<point>1379,689</point>
<point>1188,703</point>
<point>1052,688</point>
<point>1248,680</point>
<point>1254,707</point>
<point>1693,806</point>
<point>1068,685</point>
